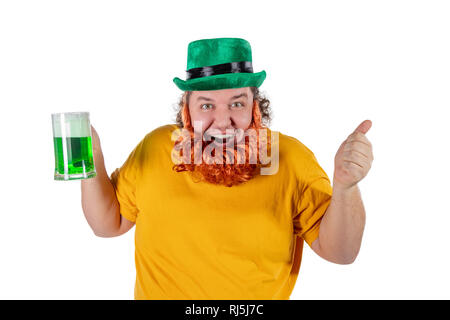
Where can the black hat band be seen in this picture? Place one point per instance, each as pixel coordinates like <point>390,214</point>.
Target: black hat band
<point>233,67</point>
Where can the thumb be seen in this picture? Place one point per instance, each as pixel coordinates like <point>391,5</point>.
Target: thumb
<point>364,126</point>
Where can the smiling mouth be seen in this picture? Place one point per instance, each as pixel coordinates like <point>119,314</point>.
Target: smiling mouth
<point>221,138</point>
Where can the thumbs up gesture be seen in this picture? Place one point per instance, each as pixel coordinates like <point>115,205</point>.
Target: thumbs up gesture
<point>353,158</point>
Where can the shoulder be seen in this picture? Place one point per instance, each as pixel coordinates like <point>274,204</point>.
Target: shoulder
<point>297,159</point>
<point>153,144</point>
<point>159,137</point>
<point>292,148</point>
<point>155,139</point>
<point>300,159</point>
<point>161,133</point>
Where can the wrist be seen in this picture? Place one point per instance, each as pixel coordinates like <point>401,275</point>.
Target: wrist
<point>342,188</point>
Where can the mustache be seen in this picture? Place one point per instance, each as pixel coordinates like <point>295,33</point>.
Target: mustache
<point>249,146</point>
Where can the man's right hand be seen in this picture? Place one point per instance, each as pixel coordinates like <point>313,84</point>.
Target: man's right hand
<point>95,140</point>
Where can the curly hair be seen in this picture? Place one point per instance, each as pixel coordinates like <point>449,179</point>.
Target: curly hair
<point>263,102</point>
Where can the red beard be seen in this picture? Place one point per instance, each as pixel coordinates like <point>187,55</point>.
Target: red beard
<point>231,167</point>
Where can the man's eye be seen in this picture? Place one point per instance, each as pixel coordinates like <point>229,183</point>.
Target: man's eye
<point>206,106</point>
<point>238,104</point>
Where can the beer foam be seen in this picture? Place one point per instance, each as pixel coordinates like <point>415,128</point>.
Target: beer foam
<point>71,124</point>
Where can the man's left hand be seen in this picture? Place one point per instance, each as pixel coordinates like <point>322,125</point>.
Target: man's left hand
<point>353,158</point>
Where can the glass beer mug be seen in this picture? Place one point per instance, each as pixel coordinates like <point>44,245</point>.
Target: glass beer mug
<point>73,146</point>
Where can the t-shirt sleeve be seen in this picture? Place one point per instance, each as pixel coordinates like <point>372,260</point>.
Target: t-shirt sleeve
<point>312,199</point>
<point>124,180</point>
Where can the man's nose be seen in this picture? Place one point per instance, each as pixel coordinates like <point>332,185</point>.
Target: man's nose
<point>222,121</point>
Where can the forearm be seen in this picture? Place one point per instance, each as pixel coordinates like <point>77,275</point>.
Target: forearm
<point>342,225</point>
<point>99,201</point>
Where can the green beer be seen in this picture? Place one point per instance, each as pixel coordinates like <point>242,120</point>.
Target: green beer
<point>72,144</point>
<point>79,156</point>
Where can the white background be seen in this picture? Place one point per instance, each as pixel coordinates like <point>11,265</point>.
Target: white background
<point>330,65</point>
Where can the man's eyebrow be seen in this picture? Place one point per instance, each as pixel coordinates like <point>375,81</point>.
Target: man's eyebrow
<point>232,98</point>
<point>239,95</point>
<point>204,98</point>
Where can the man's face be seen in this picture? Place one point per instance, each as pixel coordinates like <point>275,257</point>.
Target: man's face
<point>221,113</point>
<point>224,119</point>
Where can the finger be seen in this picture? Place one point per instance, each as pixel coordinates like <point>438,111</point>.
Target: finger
<point>355,170</point>
<point>356,157</point>
<point>364,126</point>
<point>348,164</point>
<point>359,137</point>
<point>363,146</point>
<point>359,147</point>
<point>363,153</point>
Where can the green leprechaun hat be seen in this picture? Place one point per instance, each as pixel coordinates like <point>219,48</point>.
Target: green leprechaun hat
<point>220,63</point>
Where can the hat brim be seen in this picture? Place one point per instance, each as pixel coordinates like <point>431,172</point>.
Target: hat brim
<point>222,81</point>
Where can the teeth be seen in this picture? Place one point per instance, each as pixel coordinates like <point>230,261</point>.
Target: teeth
<point>223,136</point>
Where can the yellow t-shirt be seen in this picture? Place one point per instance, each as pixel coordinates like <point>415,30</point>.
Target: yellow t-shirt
<point>196,240</point>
